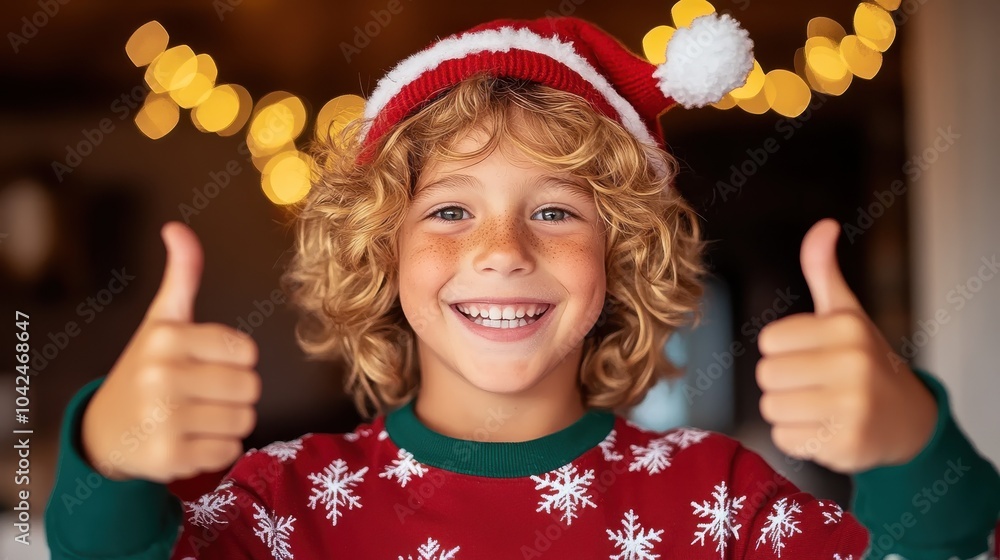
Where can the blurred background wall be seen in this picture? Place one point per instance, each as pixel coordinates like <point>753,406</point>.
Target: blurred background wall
<point>84,193</point>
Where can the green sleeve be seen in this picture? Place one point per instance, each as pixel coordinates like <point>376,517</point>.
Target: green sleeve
<point>89,516</point>
<point>943,503</point>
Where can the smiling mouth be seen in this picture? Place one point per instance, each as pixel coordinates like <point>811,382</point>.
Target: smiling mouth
<point>506,317</point>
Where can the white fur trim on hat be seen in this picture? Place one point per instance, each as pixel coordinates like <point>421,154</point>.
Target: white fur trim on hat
<point>502,40</point>
<point>705,61</point>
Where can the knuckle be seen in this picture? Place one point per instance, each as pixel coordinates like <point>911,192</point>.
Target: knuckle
<point>767,408</point>
<point>857,363</point>
<point>163,337</point>
<point>763,373</point>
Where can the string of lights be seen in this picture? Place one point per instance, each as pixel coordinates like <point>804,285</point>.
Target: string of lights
<point>179,78</point>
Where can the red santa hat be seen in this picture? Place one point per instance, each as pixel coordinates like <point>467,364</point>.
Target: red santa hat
<point>704,61</point>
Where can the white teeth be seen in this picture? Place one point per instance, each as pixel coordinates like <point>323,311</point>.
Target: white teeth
<point>497,312</point>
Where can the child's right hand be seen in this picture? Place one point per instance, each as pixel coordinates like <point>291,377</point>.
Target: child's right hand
<point>181,397</point>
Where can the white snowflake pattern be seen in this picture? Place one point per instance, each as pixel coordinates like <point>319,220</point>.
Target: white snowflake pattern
<point>403,468</point>
<point>274,532</point>
<point>780,524</point>
<point>283,450</point>
<point>634,542</point>
<point>686,437</point>
<point>839,557</point>
<point>832,515</point>
<point>357,434</point>
<point>383,435</point>
<point>720,515</point>
<point>569,491</point>
<point>653,457</point>
<point>608,448</point>
<point>206,511</point>
<point>334,488</point>
<point>431,550</point>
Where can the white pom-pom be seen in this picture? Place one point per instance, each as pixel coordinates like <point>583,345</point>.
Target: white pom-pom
<point>705,61</point>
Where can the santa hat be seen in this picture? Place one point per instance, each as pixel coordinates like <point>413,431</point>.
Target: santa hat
<point>704,61</point>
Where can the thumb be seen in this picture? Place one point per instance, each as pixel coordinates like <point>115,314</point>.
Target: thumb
<point>827,286</point>
<point>174,301</point>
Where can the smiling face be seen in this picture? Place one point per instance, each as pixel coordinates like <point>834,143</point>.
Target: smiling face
<point>503,235</point>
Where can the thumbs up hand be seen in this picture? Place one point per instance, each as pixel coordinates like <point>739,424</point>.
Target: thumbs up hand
<point>833,389</point>
<point>181,396</point>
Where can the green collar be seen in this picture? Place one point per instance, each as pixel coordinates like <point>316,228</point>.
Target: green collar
<point>497,459</point>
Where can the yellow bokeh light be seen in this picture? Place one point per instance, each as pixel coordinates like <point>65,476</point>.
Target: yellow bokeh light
<point>146,43</point>
<point>727,102</point>
<point>201,83</point>
<point>826,62</point>
<point>755,81</point>
<point>337,113</point>
<point>279,119</point>
<point>218,111</point>
<point>825,27</point>
<point>889,5</point>
<point>158,116</point>
<point>814,42</point>
<point>786,93</point>
<point>758,104</point>
<point>245,109</point>
<point>862,60</point>
<point>685,11</point>
<point>172,69</point>
<point>827,86</point>
<point>286,178</point>
<point>875,25</point>
<point>654,43</point>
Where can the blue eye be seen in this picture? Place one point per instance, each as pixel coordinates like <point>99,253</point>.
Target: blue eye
<point>448,210</point>
<point>456,213</point>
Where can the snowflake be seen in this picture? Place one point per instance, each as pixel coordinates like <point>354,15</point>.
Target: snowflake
<point>431,550</point>
<point>334,487</point>
<point>839,557</point>
<point>686,437</point>
<point>654,457</point>
<point>205,512</point>
<point>358,434</point>
<point>720,515</point>
<point>382,435</point>
<point>283,450</point>
<point>274,532</point>
<point>569,491</point>
<point>634,545</point>
<point>403,468</point>
<point>834,515</point>
<point>781,523</point>
<point>608,448</point>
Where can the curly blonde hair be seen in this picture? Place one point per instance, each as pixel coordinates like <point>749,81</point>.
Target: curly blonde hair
<point>344,273</point>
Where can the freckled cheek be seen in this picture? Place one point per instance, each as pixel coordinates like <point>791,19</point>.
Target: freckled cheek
<point>426,265</point>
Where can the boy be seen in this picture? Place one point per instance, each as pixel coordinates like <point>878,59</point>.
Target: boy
<point>463,320</point>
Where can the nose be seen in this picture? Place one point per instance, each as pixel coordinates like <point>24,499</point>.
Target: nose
<point>504,245</point>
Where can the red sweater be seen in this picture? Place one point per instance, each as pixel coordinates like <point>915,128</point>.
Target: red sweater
<point>601,488</point>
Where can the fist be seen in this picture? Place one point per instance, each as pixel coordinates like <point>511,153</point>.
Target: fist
<point>833,390</point>
<point>181,396</point>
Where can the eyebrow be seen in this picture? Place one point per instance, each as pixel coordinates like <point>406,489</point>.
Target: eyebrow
<point>546,182</point>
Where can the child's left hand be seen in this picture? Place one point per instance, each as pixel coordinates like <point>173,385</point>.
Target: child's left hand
<point>834,390</point>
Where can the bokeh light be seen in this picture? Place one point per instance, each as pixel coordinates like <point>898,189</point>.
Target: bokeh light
<point>755,81</point>
<point>158,115</point>
<point>243,115</point>
<point>654,43</point>
<point>200,85</point>
<point>825,27</point>
<point>218,111</point>
<point>862,60</point>
<point>286,177</point>
<point>684,12</point>
<point>786,93</point>
<point>278,120</point>
<point>146,43</point>
<point>874,26</point>
<point>172,69</point>
<point>337,113</point>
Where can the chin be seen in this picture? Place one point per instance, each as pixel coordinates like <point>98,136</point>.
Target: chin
<point>499,380</point>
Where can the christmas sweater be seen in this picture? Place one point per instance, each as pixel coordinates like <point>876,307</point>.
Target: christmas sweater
<point>600,488</point>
